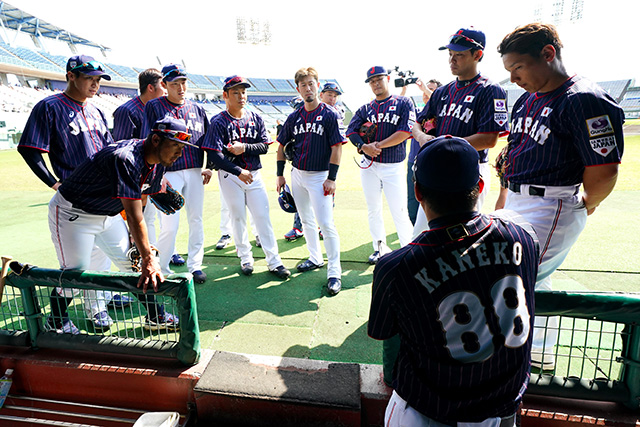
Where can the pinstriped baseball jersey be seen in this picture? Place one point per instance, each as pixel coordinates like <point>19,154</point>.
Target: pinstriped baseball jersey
<point>314,133</point>
<point>396,113</point>
<point>225,129</point>
<point>555,135</point>
<point>464,108</point>
<point>127,120</point>
<point>461,297</point>
<point>96,186</point>
<point>197,125</point>
<point>68,130</point>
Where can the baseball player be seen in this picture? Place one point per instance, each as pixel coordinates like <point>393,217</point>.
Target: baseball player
<point>85,211</point>
<point>318,147</point>
<point>565,132</point>
<point>471,107</point>
<point>381,166</point>
<point>70,129</point>
<point>461,298</point>
<point>234,142</point>
<point>186,175</point>
<point>127,124</point>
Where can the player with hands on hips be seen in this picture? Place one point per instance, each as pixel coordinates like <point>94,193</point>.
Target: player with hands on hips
<point>382,163</point>
<point>234,142</point>
<point>318,148</point>
<point>566,132</point>
<point>85,211</point>
<point>461,298</point>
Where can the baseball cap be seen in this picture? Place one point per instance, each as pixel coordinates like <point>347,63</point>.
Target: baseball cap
<point>234,81</point>
<point>465,39</point>
<point>174,129</point>
<point>85,64</point>
<point>171,72</point>
<point>377,70</point>
<point>331,86</point>
<point>447,164</point>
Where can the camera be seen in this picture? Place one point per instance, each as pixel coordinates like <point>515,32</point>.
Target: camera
<point>405,78</point>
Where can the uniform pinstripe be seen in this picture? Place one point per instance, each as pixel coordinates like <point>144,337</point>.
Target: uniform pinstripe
<point>127,120</point>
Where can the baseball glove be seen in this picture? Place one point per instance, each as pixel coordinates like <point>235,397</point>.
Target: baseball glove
<point>136,260</point>
<point>502,162</point>
<point>429,126</point>
<point>368,132</point>
<point>289,150</point>
<point>168,202</point>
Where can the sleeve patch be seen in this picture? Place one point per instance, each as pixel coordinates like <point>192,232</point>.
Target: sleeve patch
<point>500,105</point>
<point>603,145</point>
<point>500,118</point>
<point>598,126</point>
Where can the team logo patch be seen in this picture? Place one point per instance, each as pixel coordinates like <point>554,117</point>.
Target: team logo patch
<point>603,145</point>
<point>412,116</point>
<point>319,119</point>
<point>500,105</point>
<point>469,98</point>
<point>145,186</point>
<point>599,126</point>
<point>500,118</point>
<point>71,114</point>
<point>546,111</point>
<point>392,108</point>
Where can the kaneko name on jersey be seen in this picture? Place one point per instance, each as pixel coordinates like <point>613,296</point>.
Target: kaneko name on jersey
<point>460,261</point>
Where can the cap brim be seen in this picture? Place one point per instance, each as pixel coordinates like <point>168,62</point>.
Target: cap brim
<point>182,142</point>
<point>455,47</point>
<point>375,75</point>
<point>97,73</point>
<point>170,79</point>
<point>332,90</point>
<point>243,84</point>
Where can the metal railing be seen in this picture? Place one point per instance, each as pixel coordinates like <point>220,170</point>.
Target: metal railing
<point>27,308</point>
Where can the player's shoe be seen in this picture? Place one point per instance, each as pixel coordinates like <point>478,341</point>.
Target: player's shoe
<point>64,326</point>
<point>176,259</point>
<point>102,321</point>
<point>224,241</point>
<point>164,321</point>
<point>199,276</point>
<point>320,235</point>
<point>334,285</point>
<point>247,269</point>
<point>308,265</point>
<point>374,257</point>
<point>281,272</point>
<point>542,362</point>
<point>119,301</point>
<point>258,242</point>
<point>293,234</point>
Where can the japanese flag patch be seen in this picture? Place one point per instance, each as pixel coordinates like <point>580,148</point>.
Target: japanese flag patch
<point>500,118</point>
<point>603,145</point>
<point>598,126</point>
<point>392,108</point>
<point>469,98</point>
<point>319,119</point>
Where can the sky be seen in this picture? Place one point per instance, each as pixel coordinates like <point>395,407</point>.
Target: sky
<point>341,39</point>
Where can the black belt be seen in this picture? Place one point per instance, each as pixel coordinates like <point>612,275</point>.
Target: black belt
<point>533,191</point>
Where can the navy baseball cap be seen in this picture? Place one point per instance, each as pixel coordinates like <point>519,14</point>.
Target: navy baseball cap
<point>85,64</point>
<point>331,86</point>
<point>465,39</point>
<point>377,70</point>
<point>174,129</point>
<point>171,72</point>
<point>447,164</point>
<point>234,81</point>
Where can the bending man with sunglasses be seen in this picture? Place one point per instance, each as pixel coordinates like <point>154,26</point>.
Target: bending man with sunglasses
<point>70,130</point>
<point>186,174</point>
<point>471,107</point>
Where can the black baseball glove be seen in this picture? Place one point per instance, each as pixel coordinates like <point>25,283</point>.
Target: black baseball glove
<point>136,260</point>
<point>289,150</point>
<point>168,202</point>
<point>502,162</point>
<point>368,132</point>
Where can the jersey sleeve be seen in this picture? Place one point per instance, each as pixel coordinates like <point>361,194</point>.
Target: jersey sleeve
<point>38,130</point>
<point>150,117</point>
<point>286,134</point>
<point>332,129</point>
<point>123,125</point>
<point>383,322</point>
<point>358,119</point>
<point>263,136</point>
<point>216,136</point>
<point>128,178</point>
<point>407,115</point>
<point>492,111</point>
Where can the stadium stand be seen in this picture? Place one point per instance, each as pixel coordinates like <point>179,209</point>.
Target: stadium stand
<point>616,88</point>
<point>201,82</point>
<point>262,85</point>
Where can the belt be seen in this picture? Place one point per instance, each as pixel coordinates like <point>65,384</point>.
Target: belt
<point>533,191</point>
<point>544,191</point>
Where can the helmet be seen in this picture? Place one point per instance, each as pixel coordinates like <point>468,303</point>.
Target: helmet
<point>286,200</point>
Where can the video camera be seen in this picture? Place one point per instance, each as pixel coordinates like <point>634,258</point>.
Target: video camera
<point>405,78</point>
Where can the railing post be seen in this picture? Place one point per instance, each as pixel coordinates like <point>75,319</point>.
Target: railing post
<point>32,313</point>
<point>630,359</point>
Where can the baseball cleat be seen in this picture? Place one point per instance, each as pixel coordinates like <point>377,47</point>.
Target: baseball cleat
<point>308,265</point>
<point>258,242</point>
<point>293,234</point>
<point>119,301</point>
<point>102,321</point>
<point>165,321</point>
<point>374,257</point>
<point>247,269</point>
<point>334,285</point>
<point>64,326</point>
<point>199,276</point>
<point>224,241</point>
<point>176,259</point>
<point>281,272</point>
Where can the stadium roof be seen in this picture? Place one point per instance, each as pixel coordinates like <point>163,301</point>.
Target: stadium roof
<point>16,19</point>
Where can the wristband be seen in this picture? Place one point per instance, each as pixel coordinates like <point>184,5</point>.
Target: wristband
<point>333,171</point>
<point>280,167</point>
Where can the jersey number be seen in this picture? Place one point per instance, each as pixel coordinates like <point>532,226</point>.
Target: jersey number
<point>464,321</point>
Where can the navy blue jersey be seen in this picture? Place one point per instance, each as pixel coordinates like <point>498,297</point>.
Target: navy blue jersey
<point>464,108</point>
<point>555,135</point>
<point>197,125</point>
<point>250,129</point>
<point>127,120</point>
<point>391,115</point>
<point>461,297</point>
<point>118,171</point>
<point>314,133</point>
<point>66,129</point>
<point>340,110</point>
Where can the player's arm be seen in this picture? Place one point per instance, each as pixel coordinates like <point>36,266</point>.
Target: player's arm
<point>502,198</point>
<point>281,160</point>
<point>35,161</point>
<point>419,134</point>
<point>329,184</point>
<point>150,272</point>
<point>483,141</point>
<point>394,139</point>
<point>598,182</point>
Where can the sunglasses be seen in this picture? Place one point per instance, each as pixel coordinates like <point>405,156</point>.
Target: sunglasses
<point>458,37</point>
<point>175,134</point>
<point>90,66</point>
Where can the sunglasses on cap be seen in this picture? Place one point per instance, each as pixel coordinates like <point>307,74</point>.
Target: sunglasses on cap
<point>90,66</point>
<point>234,79</point>
<point>175,134</point>
<point>459,37</point>
<point>175,71</point>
